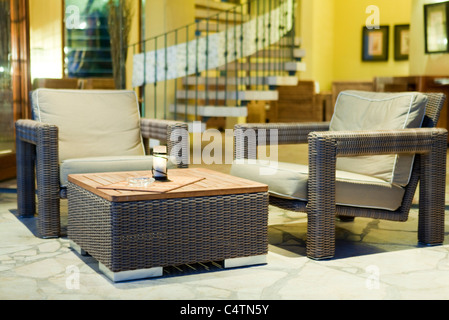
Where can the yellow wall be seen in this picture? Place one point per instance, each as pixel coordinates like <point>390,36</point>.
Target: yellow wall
<point>350,16</point>
<point>133,38</point>
<point>166,15</point>
<point>163,16</point>
<point>317,35</point>
<point>332,36</point>
<point>421,63</point>
<point>46,38</point>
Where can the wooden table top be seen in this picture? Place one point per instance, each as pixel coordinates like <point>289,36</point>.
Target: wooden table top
<point>212,183</point>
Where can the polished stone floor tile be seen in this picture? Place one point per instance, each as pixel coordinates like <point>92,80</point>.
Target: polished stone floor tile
<point>374,260</point>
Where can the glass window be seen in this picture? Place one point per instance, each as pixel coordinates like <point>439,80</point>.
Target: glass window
<point>87,46</point>
<point>6,98</point>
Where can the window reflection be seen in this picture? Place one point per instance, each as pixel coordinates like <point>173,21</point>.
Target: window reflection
<point>87,41</point>
<point>6,99</point>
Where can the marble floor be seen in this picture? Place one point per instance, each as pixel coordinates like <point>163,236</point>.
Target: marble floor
<point>375,260</point>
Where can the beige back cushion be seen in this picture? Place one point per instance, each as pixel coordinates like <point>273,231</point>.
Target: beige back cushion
<point>359,110</point>
<point>91,123</point>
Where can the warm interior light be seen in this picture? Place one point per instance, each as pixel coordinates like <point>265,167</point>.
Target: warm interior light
<point>43,63</point>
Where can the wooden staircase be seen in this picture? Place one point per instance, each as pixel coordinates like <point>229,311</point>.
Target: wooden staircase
<point>218,97</point>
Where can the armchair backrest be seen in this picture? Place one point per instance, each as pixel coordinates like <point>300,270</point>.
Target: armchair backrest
<point>435,103</point>
<point>91,123</point>
<point>359,110</point>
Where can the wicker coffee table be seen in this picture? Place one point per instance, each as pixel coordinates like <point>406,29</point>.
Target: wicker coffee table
<point>135,234</point>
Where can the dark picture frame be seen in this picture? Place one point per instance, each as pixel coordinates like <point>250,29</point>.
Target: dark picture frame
<point>436,27</point>
<point>401,42</point>
<point>375,43</point>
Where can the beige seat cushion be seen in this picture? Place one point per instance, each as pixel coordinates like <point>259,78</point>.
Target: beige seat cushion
<point>289,181</point>
<point>368,181</point>
<point>359,110</point>
<point>91,123</point>
<point>106,164</point>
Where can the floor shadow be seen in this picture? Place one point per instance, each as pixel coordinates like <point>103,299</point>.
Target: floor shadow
<point>168,272</point>
<point>348,249</point>
<point>31,223</point>
<point>290,240</point>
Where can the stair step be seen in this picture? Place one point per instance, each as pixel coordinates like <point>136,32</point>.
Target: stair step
<point>295,66</point>
<point>297,41</point>
<point>282,81</point>
<point>223,6</point>
<point>210,111</point>
<point>204,27</point>
<point>267,66</point>
<point>247,95</point>
<point>214,15</point>
<point>281,53</point>
<point>211,26</point>
<point>232,81</point>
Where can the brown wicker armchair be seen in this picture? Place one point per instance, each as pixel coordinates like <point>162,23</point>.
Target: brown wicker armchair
<point>104,120</point>
<point>428,144</point>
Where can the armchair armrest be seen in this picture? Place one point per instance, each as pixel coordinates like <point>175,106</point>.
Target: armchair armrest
<point>174,133</point>
<point>355,143</point>
<point>37,142</point>
<point>249,136</point>
<point>325,147</point>
<point>33,131</point>
<point>37,145</point>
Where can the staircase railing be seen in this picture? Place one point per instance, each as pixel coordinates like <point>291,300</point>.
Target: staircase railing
<point>222,51</point>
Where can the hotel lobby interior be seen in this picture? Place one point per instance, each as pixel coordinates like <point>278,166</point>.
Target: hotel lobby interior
<point>329,44</point>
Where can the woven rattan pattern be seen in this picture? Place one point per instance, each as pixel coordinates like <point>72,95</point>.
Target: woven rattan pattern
<point>37,164</point>
<point>159,233</point>
<point>429,145</point>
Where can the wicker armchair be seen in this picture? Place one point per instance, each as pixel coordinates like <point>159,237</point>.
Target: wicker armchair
<point>427,143</point>
<point>38,146</point>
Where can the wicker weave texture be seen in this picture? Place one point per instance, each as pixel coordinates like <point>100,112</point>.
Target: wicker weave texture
<point>429,145</point>
<point>159,233</point>
<point>37,162</point>
<point>170,133</point>
<point>38,165</point>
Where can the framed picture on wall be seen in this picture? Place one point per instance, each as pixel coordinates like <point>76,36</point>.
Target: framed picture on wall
<point>436,27</point>
<point>401,42</point>
<point>375,44</point>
